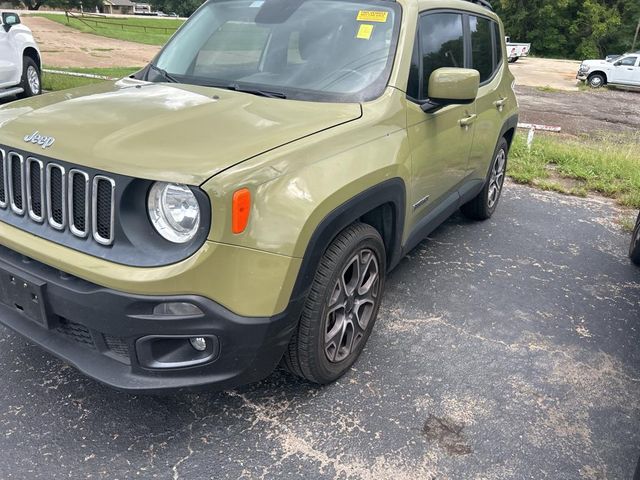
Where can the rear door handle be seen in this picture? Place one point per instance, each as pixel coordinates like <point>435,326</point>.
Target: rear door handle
<point>499,104</point>
<point>465,122</point>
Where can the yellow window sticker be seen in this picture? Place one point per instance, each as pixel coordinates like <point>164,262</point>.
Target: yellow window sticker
<point>372,16</point>
<point>365,31</point>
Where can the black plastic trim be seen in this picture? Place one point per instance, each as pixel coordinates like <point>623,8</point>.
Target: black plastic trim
<point>249,348</point>
<point>391,192</point>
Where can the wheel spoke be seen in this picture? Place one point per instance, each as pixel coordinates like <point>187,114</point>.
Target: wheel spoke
<point>334,332</point>
<point>369,275</point>
<point>338,297</point>
<point>363,312</point>
<point>351,275</point>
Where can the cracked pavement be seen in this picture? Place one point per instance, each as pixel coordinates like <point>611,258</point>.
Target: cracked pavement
<point>507,349</point>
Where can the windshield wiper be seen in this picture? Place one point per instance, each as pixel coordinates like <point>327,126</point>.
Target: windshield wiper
<point>166,75</point>
<point>253,91</point>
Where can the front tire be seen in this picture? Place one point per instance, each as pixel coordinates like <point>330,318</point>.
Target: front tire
<point>596,80</point>
<point>341,308</point>
<point>634,248</point>
<point>483,206</point>
<point>31,78</point>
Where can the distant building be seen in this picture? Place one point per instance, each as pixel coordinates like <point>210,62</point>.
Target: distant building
<point>123,7</point>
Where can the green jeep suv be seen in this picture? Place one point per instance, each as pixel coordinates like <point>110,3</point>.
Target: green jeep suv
<point>237,203</point>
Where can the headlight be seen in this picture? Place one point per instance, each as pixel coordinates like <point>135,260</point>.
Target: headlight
<point>174,211</point>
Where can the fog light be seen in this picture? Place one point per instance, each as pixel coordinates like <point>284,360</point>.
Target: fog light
<point>178,309</point>
<point>198,343</point>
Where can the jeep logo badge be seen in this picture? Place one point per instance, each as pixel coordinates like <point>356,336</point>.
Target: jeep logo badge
<point>38,139</point>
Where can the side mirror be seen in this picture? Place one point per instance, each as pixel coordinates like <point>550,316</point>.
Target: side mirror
<point>451,86</point>
<point>617,64</point>
<point>9,20</point>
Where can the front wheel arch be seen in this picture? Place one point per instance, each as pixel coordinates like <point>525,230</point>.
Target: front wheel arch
<point>388,196</point>
<point>600,75</point>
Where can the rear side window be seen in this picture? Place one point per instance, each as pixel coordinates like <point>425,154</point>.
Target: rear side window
<point>482,48</point>
<point>442,43</point>
<point>497,39</point>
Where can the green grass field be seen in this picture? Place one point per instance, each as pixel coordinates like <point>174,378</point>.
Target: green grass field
<point>158,30</point>
<point>609,166</point>
<point>53,82</point>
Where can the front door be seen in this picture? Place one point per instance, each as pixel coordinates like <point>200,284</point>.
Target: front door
<point>9,64</point>
<point>440,141</point>
<point>626,71</point>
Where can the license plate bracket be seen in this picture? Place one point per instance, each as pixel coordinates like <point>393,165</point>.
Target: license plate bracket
<point>24,294</point>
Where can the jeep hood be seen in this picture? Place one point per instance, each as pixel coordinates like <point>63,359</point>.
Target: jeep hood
<point>179,133</point>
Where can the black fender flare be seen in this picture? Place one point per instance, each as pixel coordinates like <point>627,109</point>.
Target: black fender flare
<point>509,124</point>
<point>392,192</point>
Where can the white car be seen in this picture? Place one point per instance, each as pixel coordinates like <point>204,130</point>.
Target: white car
<point>623,71</point>
<point>20,60</point>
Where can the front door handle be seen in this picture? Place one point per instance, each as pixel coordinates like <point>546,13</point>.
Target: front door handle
<point>467,121</point>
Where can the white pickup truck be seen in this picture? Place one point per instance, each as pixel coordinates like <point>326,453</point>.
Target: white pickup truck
<point>517,50</point>
<point>623,71</point>
<point>20,61</point>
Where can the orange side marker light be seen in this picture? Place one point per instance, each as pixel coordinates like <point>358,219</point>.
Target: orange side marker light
<point>240,210</point>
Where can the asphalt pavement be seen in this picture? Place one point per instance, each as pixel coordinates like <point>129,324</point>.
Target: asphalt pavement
<point>508,349</point>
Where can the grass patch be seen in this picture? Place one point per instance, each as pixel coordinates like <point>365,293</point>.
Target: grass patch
<point>54,82</point>
<point>548,89</point>
<point>130,29</point>
<point>627,224</point>
<point>610,169</point>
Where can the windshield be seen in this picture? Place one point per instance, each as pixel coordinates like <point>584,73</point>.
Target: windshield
<point>325,50</point>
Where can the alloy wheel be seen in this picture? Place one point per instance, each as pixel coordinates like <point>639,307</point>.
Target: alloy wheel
<point>351,305</point>
<point>33,79</point>
<point>497,178</point>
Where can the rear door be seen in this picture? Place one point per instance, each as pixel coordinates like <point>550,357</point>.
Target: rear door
<point>487,56</point>
<point>440,145</point>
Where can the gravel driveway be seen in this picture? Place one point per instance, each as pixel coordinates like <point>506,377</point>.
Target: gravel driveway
<point>505,350</point>
<point>590,112</point>
<point>66,47</point>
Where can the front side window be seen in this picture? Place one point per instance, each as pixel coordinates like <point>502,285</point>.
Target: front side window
<point>628,61</point>
<point>442,44</point>
<point>328,50</point>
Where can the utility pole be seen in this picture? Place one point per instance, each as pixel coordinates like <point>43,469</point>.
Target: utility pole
<point>633,48</point>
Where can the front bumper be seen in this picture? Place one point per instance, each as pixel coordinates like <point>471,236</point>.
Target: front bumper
<point>582,76</point>
<point>97,330</point>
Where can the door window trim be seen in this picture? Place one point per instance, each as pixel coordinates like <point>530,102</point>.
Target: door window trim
<point>467,46</point>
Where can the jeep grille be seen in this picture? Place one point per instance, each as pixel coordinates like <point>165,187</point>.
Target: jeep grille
<point>62,199</point>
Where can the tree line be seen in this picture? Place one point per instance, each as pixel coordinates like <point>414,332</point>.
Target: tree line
<point>556,28</point>
<point>571,28</point>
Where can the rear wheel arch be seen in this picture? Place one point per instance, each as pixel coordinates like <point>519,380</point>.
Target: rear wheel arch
<point>381,206</point>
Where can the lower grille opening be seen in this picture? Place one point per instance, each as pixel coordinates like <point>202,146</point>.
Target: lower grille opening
<point>76,332</point>
<point>118,346</point>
